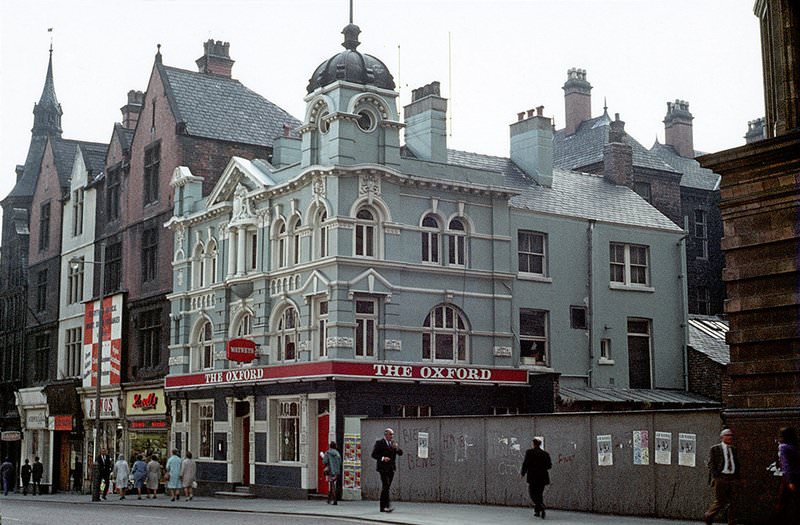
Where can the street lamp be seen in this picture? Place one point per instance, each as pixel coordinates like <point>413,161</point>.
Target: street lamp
<point>76,263</point>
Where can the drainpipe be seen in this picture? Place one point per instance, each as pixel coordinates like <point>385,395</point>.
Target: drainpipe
<point>682,282</point>
<point>590,296</point>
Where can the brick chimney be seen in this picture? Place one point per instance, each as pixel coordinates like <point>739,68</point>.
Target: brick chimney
<point>577,100</point>
<point>131,110</point>
<point>426,123</point>
<point>532,145</point>
<point>216,60</point>
<point>678,128</point>
<point>755,131</point>
<point>618,155</point>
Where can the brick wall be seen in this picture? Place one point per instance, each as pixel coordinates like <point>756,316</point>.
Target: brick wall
<point>707,377</point>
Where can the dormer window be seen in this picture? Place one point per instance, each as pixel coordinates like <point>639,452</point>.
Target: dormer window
<point>324,125</point>
<point>366,120</point>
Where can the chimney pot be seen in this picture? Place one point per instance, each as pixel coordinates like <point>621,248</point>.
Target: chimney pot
<point>521,115</point>
<point>577,99</point>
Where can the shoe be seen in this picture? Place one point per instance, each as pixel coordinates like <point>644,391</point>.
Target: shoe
<point>328,502</point>
<point>190,498</point>
<point>173,499</point>
<point>335,502</point>
<point>104,498</point>
<point>543,512</point>
<point>388,509</point>
<point>537,513</point>
<point>139,497</point>
<point>154,496</point>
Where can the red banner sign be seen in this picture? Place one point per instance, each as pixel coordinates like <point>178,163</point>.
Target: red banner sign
<point>148,424</point>
<point>343,369</point>
<point>241,350</point>
<point>62,422</point>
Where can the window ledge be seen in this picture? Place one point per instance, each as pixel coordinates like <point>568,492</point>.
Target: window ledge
<point>604,361</point>
<point>537,367</point>
<point>631,288</point>
<point>522,276</point>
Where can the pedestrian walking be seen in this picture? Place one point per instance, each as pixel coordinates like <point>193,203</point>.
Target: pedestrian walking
<point>25,474</point>
<point>536,466</point>
<point>77,477</point>
<point>385,453</point>
<point>139,473</point>
<point>7,475</point>
<point>37,471</point>
<point>105,466</point>
<point>153,476</point>
<point>173,476</point>
<point>723,474</point>
<point>121,473</point>
<point>188,476</point>
<point>332,460</point>
<point>788,507</point>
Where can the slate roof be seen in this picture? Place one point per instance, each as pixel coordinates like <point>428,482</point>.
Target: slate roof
<point>221,108</point>
<point>585,147</point>
<point>65,151</point>
<point>707,335</point>
<point>693,175</point>
<point>94,156</point>
<point>573,194</point>
<point>625,395</point>
<point>125,135</point>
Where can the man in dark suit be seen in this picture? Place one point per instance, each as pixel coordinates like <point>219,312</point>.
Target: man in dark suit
<point>723,473</point>
<point>105,464</point>
<point>536,464</point>
<point>384,452</point>
<point>37,471</point>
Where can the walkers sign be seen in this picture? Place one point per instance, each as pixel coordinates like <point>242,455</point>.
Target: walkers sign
<point>241,350</point>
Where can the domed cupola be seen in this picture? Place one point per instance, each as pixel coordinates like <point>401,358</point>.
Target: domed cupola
<point>351,66</point>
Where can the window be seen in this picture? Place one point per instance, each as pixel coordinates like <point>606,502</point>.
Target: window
<point>701,233</point>
<point>75,283</point>
<point>151,162</point>
<point>205,430</point>
<point>531,252</point>
<point>365,233</point>
<point>149,338</point>
<point>41,352</point>
<point>577,317</point>
<point>366,120</point>
<point>643,189</point>
<point>289,431</point>
<point>430,239</point>
<point>287,335</point>
<point>41,291</point>
<point>77,212</point>
<point>112,194</point>
<point>445,335</point>
<point>198,268</point>
<point>245,326</point>
<point>322,328</point>
<point>322,234</point>
<point>296,242</point>
<point>281,241</point>
<point>44,226</point>
<point>533,336</point>
<point>366,326</point>
<point>406,411</point>
<point>211,267</point>
<point>701,301</point>
<point>113,267</point>
<point>150,254</point>
<point>456,239</point>
<point>74,352</point>
<point>639,352</point>
<point>629,264</point>
<point>605,349</point>
<point>205,346</point>
<point>252,250</point>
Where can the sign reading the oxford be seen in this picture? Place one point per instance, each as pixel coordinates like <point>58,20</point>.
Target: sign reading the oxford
<point>343,370</point>
<point>241,350</point>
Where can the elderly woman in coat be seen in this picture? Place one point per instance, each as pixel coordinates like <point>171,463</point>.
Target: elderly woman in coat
<point>188,475</point>
<point>153,476</point>
<point>121,474</point>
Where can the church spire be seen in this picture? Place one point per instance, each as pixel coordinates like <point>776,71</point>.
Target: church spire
<point>47,112</point>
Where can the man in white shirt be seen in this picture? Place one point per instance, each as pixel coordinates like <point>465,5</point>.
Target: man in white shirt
<point>723,473</point>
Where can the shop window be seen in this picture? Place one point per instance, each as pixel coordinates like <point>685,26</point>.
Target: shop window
<point>289,431</point>
<point>444,336</point>
<point>205,430</point>
<point>366,327</point>
<point>533,336</point>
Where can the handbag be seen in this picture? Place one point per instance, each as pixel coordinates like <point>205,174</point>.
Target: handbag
<point>166,476</point>
<point>194,484</point>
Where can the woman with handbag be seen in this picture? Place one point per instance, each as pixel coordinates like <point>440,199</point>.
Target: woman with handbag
<point>121,473</point>
<point>188,475</point>
<point>333,472</point>
<point>173,475</point>
<point>153,476</point>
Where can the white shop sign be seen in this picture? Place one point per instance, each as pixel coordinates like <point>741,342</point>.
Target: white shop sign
<point>36,419</point>
<point>109,408</point>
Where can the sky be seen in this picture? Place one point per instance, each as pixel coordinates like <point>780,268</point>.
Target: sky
<point>494,58</point>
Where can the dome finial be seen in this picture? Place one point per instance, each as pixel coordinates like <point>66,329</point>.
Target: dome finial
<point>351,32</point>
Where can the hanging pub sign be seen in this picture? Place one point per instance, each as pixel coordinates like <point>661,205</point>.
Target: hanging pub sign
<point>241,350</point>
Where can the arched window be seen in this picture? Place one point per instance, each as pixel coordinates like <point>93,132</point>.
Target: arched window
<point>445,335</point>
<point>430,239</point>
<point>287,335</point>
<point>211,265</point>
<point>365,233</point>
<point>205,347</point>
<point>296,241</point>
<point>198,267</point>
<point>321,241</point>
<point>281,245</point>
<point>245,326</point>
<point>456,242</point>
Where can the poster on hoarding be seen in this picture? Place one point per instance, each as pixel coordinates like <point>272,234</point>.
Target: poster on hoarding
<point>422,445</point>
<point>687,449</point>
<point>110,345</point>
<point>663,448</point>
<point>641,447</point>
<point>352,461</point>
<point>605,455</point>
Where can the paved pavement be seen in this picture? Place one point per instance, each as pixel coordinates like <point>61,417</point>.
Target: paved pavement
<point>367,511</point>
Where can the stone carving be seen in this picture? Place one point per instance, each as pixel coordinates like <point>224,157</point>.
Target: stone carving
<point>318,187</point>
<point>241,204</point>
<point>393,344</point>
<point>339,342</point>
<point>369,184</point>
<point>502,351</point>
